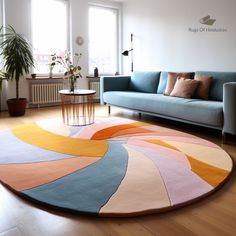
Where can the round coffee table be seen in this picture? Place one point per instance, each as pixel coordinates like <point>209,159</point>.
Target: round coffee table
<point>77,107</point>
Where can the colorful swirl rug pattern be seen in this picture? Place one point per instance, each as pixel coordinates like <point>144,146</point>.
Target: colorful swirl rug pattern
<point>114,167</point>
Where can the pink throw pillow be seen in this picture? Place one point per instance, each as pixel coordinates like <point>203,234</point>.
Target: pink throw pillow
<point>171,80</point>
<point>184,88</point>
<point>204,83</point>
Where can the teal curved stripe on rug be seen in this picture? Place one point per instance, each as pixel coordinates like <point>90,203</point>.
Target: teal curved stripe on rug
<point>89,189</point>
<point>21,152</point>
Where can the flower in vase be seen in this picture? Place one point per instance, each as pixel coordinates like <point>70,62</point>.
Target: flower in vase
<point>70,66</point>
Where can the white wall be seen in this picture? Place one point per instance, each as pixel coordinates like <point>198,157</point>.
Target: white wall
<point>162,40</point>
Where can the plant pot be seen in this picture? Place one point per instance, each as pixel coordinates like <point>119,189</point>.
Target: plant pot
<point>16,107</point>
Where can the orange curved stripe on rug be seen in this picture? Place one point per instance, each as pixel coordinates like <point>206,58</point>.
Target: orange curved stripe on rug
<point>108,132</point>
<point>212,175</point>
<point>26,176</point>
<point>33,134</point>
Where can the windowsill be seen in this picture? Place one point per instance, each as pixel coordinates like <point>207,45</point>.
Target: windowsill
<point>45,77</point>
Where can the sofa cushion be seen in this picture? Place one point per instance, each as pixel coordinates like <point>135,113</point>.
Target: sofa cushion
<point>171,80</point>
<point>203,87</point>
<point>164,79</point>
<point>144,81</point>
<point>209,113</point>
<point>219,78</point>
<point>184,88</point>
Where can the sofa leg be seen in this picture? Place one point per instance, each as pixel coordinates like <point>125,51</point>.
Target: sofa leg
<point>223,137</point>
<point>139,115</point>
<point>109,110</point>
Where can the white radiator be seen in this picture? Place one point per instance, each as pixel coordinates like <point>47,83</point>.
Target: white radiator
<point>45,93</point>
<point>95,86</point>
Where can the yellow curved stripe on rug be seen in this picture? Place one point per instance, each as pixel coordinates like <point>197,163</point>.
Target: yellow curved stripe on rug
<point>162,143</point>
<point>30,175</point>
<point>109,132</point>
<point>33,134</point>
<point>212,156</point>
<point>212,175</point>
<point>138,191</point>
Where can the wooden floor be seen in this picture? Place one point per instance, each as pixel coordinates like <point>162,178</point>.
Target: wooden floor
<point>212,216</point>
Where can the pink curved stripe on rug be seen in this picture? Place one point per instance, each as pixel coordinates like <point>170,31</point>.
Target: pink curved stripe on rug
<point>176,155</point>
<point>137,185</point>
<point>169,132</point>
<point>181,183</point>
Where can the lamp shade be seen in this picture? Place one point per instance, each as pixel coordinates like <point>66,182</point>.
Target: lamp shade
<point>126,52</point>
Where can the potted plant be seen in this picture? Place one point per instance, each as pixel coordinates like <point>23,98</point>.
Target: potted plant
<point>18,59</point>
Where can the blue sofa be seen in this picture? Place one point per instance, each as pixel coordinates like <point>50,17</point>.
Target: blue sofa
<point>143,92</point>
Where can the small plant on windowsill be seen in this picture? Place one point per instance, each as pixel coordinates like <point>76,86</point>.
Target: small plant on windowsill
<point>70,65</point>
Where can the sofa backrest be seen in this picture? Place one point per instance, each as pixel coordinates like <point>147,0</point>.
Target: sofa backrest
<point>142,81</point>
<point>219,78</point>
<point>162,82</point>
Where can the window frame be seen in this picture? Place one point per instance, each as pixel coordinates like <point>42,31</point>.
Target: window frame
<point>117,8</point>
<point>68,37</point>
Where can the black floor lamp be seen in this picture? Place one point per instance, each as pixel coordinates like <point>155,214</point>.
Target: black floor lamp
<point>126,53</point>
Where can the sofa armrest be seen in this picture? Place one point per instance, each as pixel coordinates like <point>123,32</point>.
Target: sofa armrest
<point>113,83</point>
<point>229,108</point>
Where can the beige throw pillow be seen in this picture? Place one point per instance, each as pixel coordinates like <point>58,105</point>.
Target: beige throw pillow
<point>171,80</point>
<point>184,88</point>
<point>204,84</point>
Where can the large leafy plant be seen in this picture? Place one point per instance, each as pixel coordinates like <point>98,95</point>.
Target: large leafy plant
<point>17,55</point>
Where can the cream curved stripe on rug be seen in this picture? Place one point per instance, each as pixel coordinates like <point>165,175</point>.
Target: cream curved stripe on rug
<point>55,126</point>
<point>138,190</point>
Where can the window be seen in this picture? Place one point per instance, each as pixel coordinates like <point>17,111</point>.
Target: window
<point>103,39</point>
<point>49,32</point>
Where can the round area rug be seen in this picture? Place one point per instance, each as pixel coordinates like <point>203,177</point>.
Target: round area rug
<point>114,167</point>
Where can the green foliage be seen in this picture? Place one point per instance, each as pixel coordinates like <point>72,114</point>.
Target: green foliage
<point>72,71</point>
<point>17,54</point>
